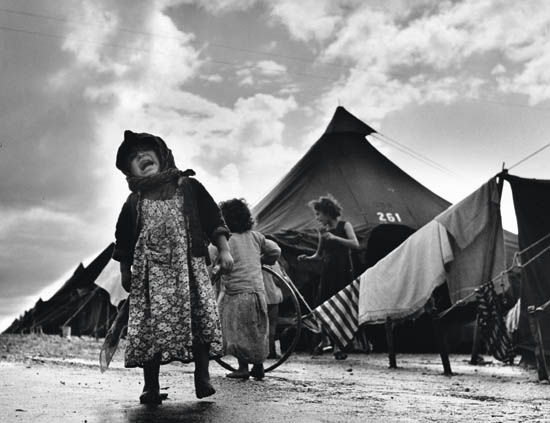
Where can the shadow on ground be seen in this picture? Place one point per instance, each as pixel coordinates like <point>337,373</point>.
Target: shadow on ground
<point>192,412</point>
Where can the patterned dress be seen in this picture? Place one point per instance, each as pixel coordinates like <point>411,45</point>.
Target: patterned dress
<point>172,305</point>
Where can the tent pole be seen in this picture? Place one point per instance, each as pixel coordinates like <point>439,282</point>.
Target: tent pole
<point>440,337</point>
<point>476,343</point>
<point>533,317</point>
<point>391,345</point>
<point>442,344</point>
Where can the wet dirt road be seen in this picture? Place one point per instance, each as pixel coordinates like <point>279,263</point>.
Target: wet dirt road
<point>59,381</point>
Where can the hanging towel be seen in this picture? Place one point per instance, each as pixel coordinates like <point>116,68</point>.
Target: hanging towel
<point>477,241</point>
<point>337,316</point>
<point>109,280</point>
<point>491,322</point>
<point>401,283</point>
<point>512,318</point>
<point>114,334</point>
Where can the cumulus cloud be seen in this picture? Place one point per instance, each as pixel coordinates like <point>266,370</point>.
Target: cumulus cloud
<point>215,78</point>
<point>241,128</point>
<point>404,39</point>
<point>60,191</point>
<point>308,20</point>
<point>261,72</point>
<point>212,6</point>
<point>225,145</point>
<point>270,68</point>
<point>534,80</point>
<point>418,45</point>
<point>127,65</point>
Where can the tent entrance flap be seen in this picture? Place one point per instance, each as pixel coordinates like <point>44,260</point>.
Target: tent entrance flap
<point>383,240</point>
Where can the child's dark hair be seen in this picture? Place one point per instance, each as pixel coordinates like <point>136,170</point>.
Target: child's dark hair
<point>237,215</point>
<point>328,205</point>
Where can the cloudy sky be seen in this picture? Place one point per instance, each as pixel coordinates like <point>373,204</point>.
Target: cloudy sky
<point>240,89</point>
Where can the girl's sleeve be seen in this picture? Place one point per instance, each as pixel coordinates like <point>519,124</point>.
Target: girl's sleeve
<point>210,214</point>
<point>212,253</point>
<point>270,252</point>
<point>123,235</point>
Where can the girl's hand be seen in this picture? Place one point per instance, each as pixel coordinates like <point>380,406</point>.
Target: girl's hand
<point>328,236</point>
<point>302,257</point>
<point>215,270</point>
<point>225,260</point>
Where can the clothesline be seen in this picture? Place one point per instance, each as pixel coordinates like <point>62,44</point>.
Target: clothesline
<point>528,248</point>
<point>516,264</point>
<point>338,316</point>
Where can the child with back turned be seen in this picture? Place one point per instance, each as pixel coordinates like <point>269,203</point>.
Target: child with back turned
<point>161,243</point>
<point>242,298</point>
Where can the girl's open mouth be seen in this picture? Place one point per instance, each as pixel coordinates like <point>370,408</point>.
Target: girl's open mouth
<point>144,164</point>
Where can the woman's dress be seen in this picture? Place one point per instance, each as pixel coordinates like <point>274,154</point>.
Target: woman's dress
<point>337,268</point>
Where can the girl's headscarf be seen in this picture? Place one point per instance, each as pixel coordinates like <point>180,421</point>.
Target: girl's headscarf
<point>167,167</point>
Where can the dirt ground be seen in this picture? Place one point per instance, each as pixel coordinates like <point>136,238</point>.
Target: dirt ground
<point>53,379</point>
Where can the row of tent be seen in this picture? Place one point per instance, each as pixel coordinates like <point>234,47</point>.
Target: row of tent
<point>80,303</point>
<point>384,204</point>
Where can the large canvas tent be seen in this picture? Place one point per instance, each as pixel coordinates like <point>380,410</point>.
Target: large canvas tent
<point>384,204</point>
<point>79,304</point>
<point>373,190</point>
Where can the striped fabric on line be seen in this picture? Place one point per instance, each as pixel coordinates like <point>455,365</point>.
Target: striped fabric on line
<point>338,316</point>
<point>492,324</point>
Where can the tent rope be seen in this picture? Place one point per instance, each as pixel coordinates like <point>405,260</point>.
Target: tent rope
<point>414,154</point>
<point>57,313</point>
<point>516,264</point>
<point>90,296</point>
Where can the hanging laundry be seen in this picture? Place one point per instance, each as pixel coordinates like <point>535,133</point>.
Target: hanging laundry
<point>492,325</point>
<point>114,334</point>
<point>337,316</point>
<point>532,207</point>
<point>512,318</point>
<point>109,280</point>
<point>400,284</point>
<point>477,240</point>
